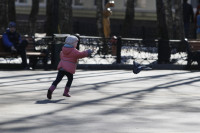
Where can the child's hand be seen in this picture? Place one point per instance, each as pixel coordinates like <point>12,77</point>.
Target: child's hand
<point>94,49</point>
<point>90,52</point>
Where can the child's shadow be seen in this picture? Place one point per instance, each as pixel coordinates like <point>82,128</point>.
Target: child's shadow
<point>46,101</point>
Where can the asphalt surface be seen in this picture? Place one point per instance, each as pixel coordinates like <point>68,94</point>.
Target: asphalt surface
<point>103,101</point>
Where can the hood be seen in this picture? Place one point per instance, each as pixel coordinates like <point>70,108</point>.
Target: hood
<point>71,40</point>
<point>67,49</point>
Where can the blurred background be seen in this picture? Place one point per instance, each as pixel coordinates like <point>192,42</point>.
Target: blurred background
<point>84,16</point>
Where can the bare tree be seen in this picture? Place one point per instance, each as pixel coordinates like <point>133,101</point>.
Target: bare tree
<point>33,16</point>
<point>161,20</point>
<point>179,32</point>
<point>51,25</point>
<point>166,20</point>
<point>59,16</point>
<point>3,15</point>
<point>65,17</point>
<point>169,18</point>
<point>129,18</point>
<point>163,44</point>
<point>99,17</point>
<point>11,10</point>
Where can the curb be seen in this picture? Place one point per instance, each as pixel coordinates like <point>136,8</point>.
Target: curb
<point>129,67</point>
<point>106,67</point>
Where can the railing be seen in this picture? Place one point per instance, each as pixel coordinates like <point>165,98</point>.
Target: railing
<point>127,50</point>
<point>119,50</point>
<point>114,50</point>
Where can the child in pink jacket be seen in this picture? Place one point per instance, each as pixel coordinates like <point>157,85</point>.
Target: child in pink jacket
<point>67,65</point>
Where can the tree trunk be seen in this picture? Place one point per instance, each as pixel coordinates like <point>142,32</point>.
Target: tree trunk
<point>48,22</point>
<point>179,32</point>
<point>52,17</point>
<point>33,16</point>
<point>163,43</point>
<point>99,16</point>
<point>169,17</point>
<point>65,17</point>
<point>3,16</point>
<point>11,10</point>
<point>161,19</point>
<point>129,18</point>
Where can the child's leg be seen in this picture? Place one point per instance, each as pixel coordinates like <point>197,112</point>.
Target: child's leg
<point>68,85</point>
<point>59,77</point>
<point>70,79</point>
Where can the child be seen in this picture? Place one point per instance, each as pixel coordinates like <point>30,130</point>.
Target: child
<point>67,65</point>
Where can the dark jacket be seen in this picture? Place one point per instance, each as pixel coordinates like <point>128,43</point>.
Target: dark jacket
<point>188,13</point>
<point>11,39</point>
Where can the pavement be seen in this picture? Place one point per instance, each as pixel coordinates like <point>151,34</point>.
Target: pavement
<point>103,101</point>
<point>105,67</point>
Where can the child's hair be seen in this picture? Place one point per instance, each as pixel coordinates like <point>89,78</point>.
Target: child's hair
<point>71,40</point>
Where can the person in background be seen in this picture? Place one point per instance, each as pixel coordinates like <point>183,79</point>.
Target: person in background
<point>13,43</point>
<point>195,18</point>
<point>188,17</point>
<point>67,65</point>
<point>198,24</point>
<point>197,11</point>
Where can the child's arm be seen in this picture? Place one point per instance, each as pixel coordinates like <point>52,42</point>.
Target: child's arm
<point>83,54</point>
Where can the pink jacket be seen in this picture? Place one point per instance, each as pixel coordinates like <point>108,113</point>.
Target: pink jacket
<point>69,57</point>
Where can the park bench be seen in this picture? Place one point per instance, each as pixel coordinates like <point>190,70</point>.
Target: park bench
<point>33,55</point>
<point>193,52</point>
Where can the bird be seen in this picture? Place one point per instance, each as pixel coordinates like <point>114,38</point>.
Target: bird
<point>137,67</point>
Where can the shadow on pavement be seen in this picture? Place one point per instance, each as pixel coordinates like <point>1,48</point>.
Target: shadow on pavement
<point>46,101</point>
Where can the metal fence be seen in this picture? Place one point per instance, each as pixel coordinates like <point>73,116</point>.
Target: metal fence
<point>127,50</point>
<point>114,50</point>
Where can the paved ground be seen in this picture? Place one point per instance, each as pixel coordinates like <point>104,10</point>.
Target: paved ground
<point>104,101</point>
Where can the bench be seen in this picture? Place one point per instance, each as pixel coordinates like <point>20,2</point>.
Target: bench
<point>31,53</point>
<point>193,52</point>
